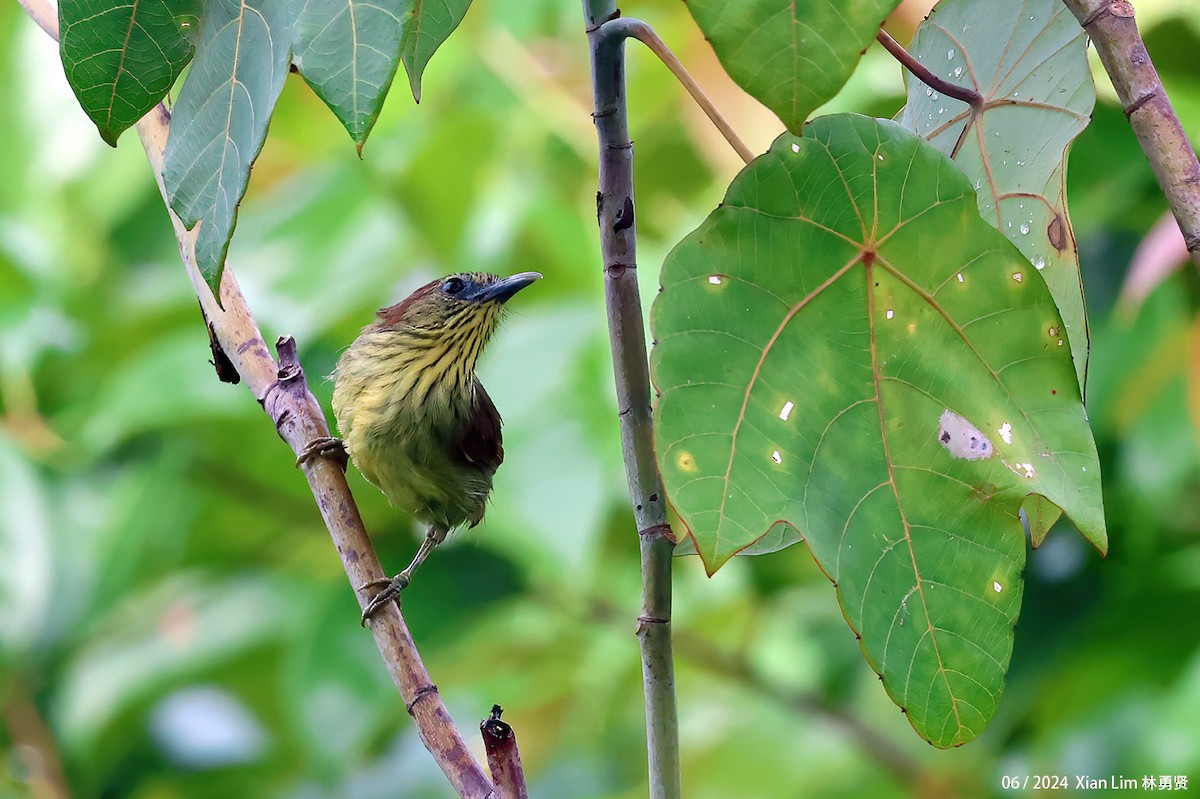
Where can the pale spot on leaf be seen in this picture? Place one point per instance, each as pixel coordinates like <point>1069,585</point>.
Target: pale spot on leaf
<point>686,462</point>
<point>961,438</point>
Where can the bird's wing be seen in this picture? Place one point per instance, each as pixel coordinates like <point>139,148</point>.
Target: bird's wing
<point>482,444</point>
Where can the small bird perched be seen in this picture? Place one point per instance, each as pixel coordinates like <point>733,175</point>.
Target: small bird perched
<point>414,418</point>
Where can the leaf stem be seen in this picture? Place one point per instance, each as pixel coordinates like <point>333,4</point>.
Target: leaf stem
<point>627,337</point>
<point>922,73</point>
<point>283,392</point>
<point>628,27</point>
<point>1113,29</point>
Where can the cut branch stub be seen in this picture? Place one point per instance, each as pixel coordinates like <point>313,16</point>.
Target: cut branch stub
<point>846,348</point>
<point>792,57</point>
<point>1029,62</point>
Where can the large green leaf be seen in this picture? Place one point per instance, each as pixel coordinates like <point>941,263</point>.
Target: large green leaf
<point>1029,62</point>
<point>845,347</point>
<point>425,25</point>
<point>792,57</point>
<point>348,51</point>
<point>220,121</point>
<point>121,58</point>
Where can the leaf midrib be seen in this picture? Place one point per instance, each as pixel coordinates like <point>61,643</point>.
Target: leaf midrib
<point>887,459</point>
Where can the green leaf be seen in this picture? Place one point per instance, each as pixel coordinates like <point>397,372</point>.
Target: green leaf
<point>220,121</point>
<point>426,24</point>
<point>122,58</point>
<point>792,57</point>
<point>348,51</point>
<point>1041,514</point>
<point>846,348</point>
<point>1029,62</point>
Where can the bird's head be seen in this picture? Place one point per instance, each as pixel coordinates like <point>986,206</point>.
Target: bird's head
<point>457,313</point>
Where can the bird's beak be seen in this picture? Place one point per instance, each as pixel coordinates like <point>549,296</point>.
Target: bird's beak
<point>503,289</point>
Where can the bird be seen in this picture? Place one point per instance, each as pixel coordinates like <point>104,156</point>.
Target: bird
<point>413,416</point>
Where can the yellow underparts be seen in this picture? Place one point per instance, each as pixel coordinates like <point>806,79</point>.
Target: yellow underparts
<point>402,399</point>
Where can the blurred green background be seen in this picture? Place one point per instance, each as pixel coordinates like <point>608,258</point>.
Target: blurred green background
<point>174,623</point>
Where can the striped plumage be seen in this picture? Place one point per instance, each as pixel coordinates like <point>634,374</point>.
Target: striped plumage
<point>413,416</point>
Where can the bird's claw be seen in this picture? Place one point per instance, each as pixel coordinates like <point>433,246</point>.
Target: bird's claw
<point>390,592</point>
<point>324,447</point>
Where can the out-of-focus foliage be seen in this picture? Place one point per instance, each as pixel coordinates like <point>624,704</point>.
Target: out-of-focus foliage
<point>173,622</point>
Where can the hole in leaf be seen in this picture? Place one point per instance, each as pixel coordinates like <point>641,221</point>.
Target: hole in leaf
<point>961,438</point>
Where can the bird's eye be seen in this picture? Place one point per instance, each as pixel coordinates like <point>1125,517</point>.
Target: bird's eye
<point>453,285</point>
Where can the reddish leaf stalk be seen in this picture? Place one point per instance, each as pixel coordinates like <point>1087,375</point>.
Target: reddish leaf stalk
<point>922,73</point>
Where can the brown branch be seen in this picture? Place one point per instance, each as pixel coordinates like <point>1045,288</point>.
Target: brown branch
<point>503,756</point>
<point>922,73</point>
<point>1113,29</point>
<point>283,392</point>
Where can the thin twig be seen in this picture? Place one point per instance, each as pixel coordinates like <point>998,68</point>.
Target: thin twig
<point>503,756</point>
<point>922,73</point>
<point>627,339</point>
<point>283,393</point>
<point>1113,29</point>
<point>628,27</point>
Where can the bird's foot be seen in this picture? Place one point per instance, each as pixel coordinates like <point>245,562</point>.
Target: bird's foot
<point>390,592</point>
<point>324,447</point>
